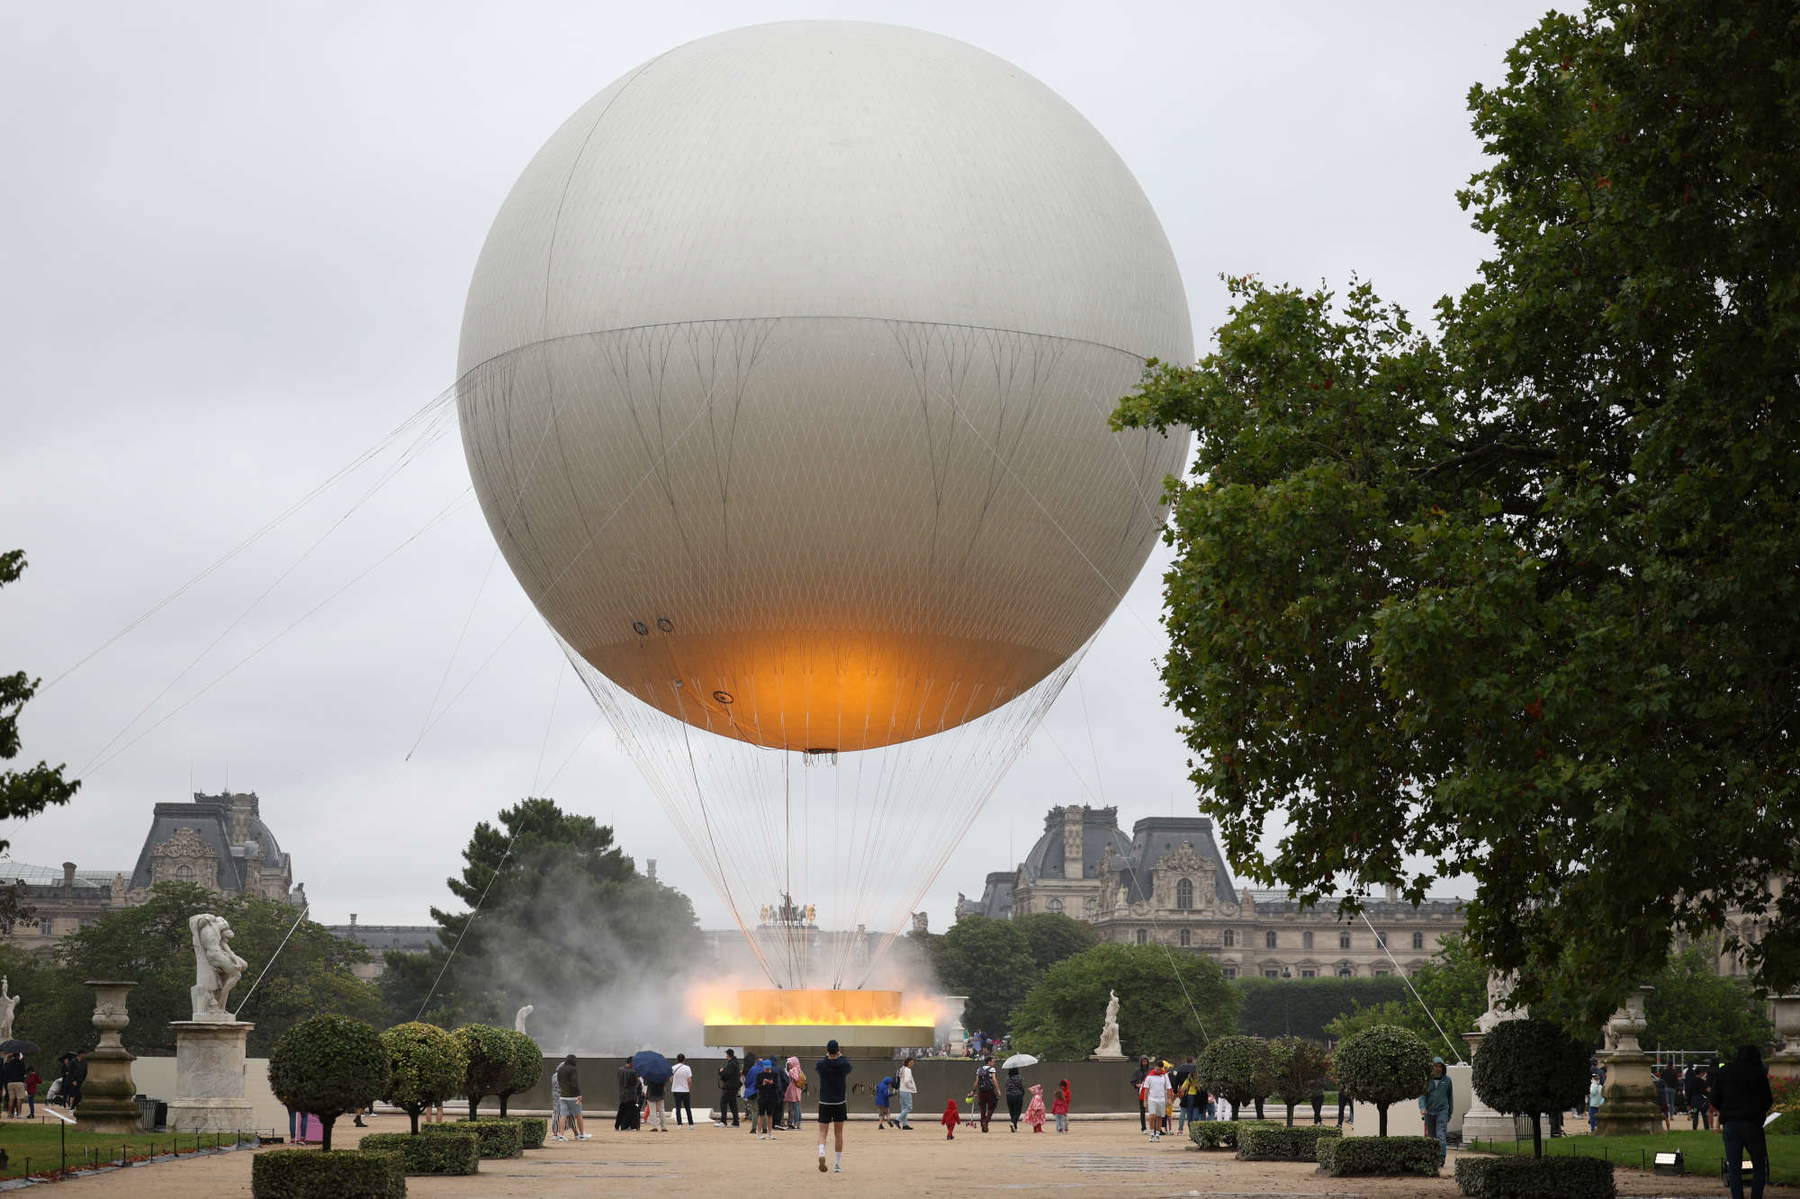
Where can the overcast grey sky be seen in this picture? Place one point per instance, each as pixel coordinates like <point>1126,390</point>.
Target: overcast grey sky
<point>236,239</point>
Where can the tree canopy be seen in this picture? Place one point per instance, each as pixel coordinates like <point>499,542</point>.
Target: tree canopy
<point>1298,1070</point>
<point>426,1065</point>
<point>1160,1011</point>
<point>1239,1070</point>
<point>1052,937</point>
<point>1516,601</point>
<point>991,962</point>
<point>1383,1065</point>
<point>1528,1067</point>
<point>25,792</point>
<point>1694,1007</point>
<point>1452,985</point>
<point>328,1065</point>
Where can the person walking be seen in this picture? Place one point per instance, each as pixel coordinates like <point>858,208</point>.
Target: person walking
<point>1015,1096</point>
<point>1059,1106</point>
<point>987,1090</point>
<point>908,1089</point>
<point>681,1085</point>
<point>630,1115</point>
<point>569,1083</point>
<point>654,1090</point>
<point>33,1080</point>
<point>1435,1106</point>
<point>1137,1085</point>
<point>794,1093</point>
<point>768,1098</point>
<point>884,1094</point>
<point>1034,1111</point>
<point>12,1077</point>
<point>1156,1100</point>
<point>1741,1093</point>
<point>951,1120</point>
<point>730,1079</point>
<point>1596,1097</point>
<point>834,1100</point>
<point>77,1079</point>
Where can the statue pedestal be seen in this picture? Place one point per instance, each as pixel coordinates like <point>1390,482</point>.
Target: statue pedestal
<point>1631,1107</point>
<point>1107,1057</point>
<point>209,1077</point>
<point>108,1097</point>
<point>1785,1062</point>
<point>1481,1122</point>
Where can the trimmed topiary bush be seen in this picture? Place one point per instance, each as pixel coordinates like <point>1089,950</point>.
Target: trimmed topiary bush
<point>328,1065</point>
<point>499,1138</point>
<point>1222,1134</point>
<point>430,1155</point>
<point>1382,1065</point>
<point>1281,1144</point>
<point>1298,1070</point>
<point>532,1129</point>
<point>527,1066</point>
<point>492,1061</point>
<point>1528,1067</point>
<point>1237,1070</point>
<point>426,1065</point>
<point>309,1174</point>
<point>1536,1178</point>
<point>1344,1157</point>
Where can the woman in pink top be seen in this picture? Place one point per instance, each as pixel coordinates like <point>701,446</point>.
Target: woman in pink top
<point>796,1085</point>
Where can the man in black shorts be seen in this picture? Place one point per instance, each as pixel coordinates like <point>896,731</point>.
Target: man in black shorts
<point>834,1100</point>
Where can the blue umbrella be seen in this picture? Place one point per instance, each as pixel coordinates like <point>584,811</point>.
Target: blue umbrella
<point>652,1066</point>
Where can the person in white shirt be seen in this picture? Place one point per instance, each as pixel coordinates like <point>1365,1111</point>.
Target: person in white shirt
<point>908,1088</point>
<point>681,1084</point>
<point>1156,1100</point>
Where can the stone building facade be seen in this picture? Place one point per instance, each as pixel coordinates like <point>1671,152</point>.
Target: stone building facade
<point>1166,884</point>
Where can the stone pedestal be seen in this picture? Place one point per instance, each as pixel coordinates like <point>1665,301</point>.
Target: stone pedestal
<point>1483,1123</point>
<point>209,1077</point>
<point>1785,1061</point>
<point>107,1097</point>
<point>1631,1107</point>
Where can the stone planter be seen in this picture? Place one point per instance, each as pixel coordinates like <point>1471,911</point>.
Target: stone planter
<point>108,1102</point>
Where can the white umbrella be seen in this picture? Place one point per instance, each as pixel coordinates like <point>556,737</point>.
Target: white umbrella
<point>1018,1061</point>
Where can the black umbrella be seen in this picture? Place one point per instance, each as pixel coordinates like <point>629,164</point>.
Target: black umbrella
<point>14,1045</point>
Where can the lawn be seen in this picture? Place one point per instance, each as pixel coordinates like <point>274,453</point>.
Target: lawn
<point>41,1145</point>
<point>1701,1152</point>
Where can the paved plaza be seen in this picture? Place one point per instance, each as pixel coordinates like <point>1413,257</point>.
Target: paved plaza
<point>1105,1157</point>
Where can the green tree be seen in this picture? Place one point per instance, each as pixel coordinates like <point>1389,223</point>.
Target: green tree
<point>426,1066</point>
<point>1052,937</point>
<point>151,943</point>
<point>1237,1069</point>
<point>1383,1065</point>
<point>527,1066</point>
<point>328,1065</point>
<point>1160,1011</point>
<point>1517,603</point>
<point>23,793</point>
<point>990,961</point>
<point>565,920</point>
<point>1452,986</point>
<point>492,1062</point>
<point>1298,1069</point>
<point>1694,1007</point>
<point>1528,1067</point>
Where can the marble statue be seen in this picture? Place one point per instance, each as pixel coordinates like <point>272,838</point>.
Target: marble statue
<point>519,1017</point>
<point>8,1005</point>
<point>1499,1005</point>
<point>216,968</point>
<point>1109,1032</point>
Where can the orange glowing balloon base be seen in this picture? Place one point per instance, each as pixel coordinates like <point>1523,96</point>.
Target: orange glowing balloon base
<point>861,1022</point>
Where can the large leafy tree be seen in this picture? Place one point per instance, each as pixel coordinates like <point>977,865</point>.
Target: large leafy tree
<point>1694,1007</point>
<point>1452,987</point>
<point>1169,1005</point>
<point>1517,602</point>
<point>1052,936</point>
<point>991,962</point>
<point>25,792</point>
<point>555,915</point>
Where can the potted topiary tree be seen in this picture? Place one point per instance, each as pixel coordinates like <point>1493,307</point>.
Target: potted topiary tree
<point>1384,1064</point>
<point>1298,1069</point>
<point>426,1065</point>
<point>491,1058</point>
<point>1236,1069</point>
<point>527,1062</point>
<point>328,1065</point>
<point>1529,1067</point>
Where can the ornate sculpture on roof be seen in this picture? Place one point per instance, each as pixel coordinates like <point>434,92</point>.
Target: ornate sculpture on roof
<point>216,968</point>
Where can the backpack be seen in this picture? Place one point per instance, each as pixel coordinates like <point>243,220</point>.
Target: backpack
<point>984,1079</point>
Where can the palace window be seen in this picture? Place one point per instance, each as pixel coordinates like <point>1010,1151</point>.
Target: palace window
<point>46,928</point>
<point>1306,939</point>
<point>1230,937</point>
<point>1056,906</point>
<point>1343,940</point>
<point>1346,972</point>
<point>1418,940</point>
<point>1271,974</point>
<point>1184,895</point>
<point>1380,939</point>
<point>185,873</point>
<point>1309,974</point>
<point>1187,938</point>
<point>1143,936</point>
<point>1381,974</point>
<point>1231,972</point>
<point>1269,939</point>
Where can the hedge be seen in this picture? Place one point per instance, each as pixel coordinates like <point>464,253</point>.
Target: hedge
<point>499,1138</point>
<point>1536,1178</point>
<point>340,1174</point>
<point>1274,1007</point>
<point>1345,1156</point>
<point>1221,1134</point>
<point>1280,1144</point>
<point>532,1129</point>
<point>430,1155</point>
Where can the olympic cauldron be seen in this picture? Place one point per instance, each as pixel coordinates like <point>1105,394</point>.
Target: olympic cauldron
<point>792,1020</point>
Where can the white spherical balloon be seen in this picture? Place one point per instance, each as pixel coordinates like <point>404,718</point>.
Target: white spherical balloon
<point>785,376</point>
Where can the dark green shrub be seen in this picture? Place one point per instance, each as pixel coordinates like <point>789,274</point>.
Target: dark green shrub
<point>1528,1067</point>
<point>1236,1069</point>
<point>532,1129</point>
<point>426,1065</point>
<point>310,1174</point>
<point>1346,1156</point>
<point>1383,1065</point>
<point>527,1066</point>
<point>499,1138</point>
<point>492,1062</point>
<point>1280,1144</point>
<point>1298,1070</point>
<point>328,1065</point>
<point>1222,1134</point>
<point>430,1155</point>
<point>1535,1178</point>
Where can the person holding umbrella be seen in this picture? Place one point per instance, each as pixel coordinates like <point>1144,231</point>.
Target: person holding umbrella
<point>656,1071</point>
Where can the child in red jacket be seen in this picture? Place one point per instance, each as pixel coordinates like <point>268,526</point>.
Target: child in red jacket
<point>1059,1106</point>
<point>951,1120</point>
